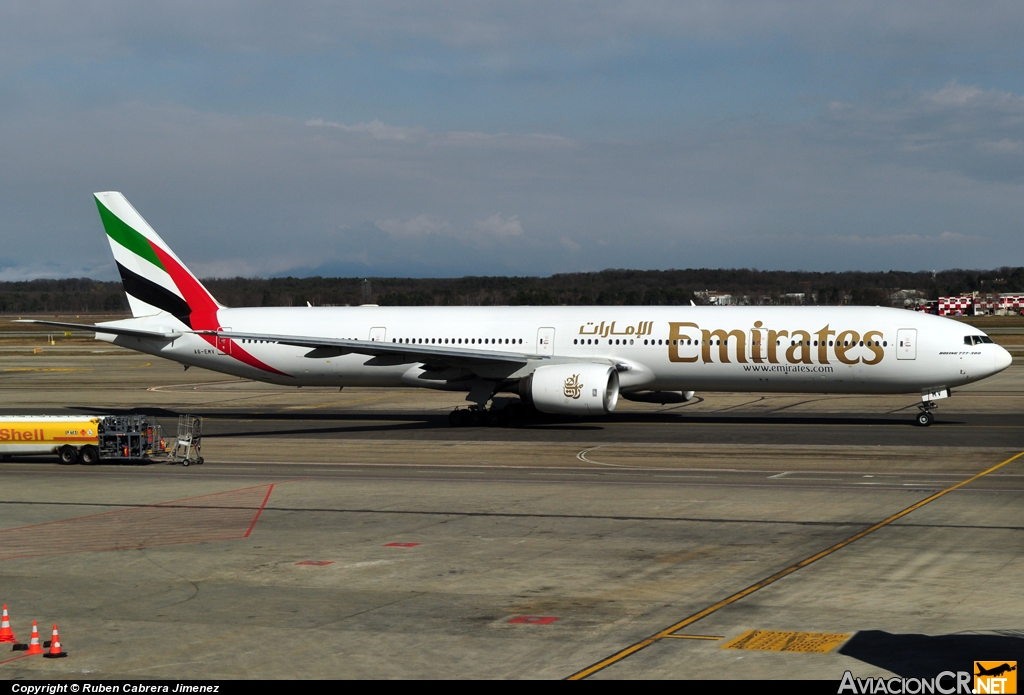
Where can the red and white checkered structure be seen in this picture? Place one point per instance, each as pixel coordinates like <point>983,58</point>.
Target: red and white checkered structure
<point>952,306</point>
<point>991,303</point>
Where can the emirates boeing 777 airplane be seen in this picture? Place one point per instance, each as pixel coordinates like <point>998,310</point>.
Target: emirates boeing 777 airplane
<point>559,360</point>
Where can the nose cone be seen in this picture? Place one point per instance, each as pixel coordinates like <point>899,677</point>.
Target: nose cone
<point>1003,359</point>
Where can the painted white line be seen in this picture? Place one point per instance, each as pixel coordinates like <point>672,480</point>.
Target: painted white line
<point>820,480</point>
<point>582,456</point>
<point>779,475</point>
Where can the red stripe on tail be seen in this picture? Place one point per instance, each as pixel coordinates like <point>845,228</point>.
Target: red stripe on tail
<point>204,309</point>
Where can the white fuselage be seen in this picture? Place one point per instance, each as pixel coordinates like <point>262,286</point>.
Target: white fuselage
<point>656,348</point>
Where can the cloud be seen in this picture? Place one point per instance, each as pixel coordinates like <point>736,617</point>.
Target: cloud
<point>496,226</point>
<point>421,225</point>
<point>376,129</point>
<point>122,27</point>
<point>1004,146</point>
<point>953,94</point>
<point>15,272</point>
<point>962,128</point>
<point>905,239</point>
<point>255,194</point>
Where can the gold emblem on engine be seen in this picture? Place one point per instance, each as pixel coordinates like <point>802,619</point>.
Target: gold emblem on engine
<point>573,387</point>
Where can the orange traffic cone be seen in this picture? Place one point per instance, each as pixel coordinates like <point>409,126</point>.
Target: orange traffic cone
<point>6,634</point>
<point>55,652</point>
<point>33,644</point>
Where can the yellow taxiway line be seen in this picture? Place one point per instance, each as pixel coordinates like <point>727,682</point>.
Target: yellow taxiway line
<point>667,632</point>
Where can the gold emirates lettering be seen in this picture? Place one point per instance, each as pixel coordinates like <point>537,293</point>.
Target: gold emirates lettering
<point>572,388</point>
<point>688,342</point>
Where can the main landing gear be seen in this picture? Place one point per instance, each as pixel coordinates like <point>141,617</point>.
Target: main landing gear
<point>513,414</point>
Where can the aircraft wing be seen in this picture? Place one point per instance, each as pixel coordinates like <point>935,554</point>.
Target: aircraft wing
<point>403,352</point>
<point>100,328</point>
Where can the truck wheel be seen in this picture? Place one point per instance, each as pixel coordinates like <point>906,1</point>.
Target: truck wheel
<point>68,454</point>
<point>199,460</point>
<point>186,462</point>
<point>89,456</point>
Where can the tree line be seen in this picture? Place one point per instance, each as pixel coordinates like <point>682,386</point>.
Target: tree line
<point>606,287</point>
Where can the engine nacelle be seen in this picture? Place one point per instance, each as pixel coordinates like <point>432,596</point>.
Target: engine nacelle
<point>661,397</point>
<point>573,389</point>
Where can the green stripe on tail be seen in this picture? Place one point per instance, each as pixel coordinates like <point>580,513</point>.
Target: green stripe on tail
<point>127,237</point>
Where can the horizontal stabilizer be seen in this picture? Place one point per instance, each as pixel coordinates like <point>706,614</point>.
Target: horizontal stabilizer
<point>111,330</point>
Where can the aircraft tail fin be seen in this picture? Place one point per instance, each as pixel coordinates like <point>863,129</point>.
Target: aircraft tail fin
<point>154,278</point>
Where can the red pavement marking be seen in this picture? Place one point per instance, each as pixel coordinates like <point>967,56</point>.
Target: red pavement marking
<point>534,619</point>
<point>218,516</point>
<point>400,545</point>
<point>316,563</point>
<point>7,661</point>
<point>260,511</point>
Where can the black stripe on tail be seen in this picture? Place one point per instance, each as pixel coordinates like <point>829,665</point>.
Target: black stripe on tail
<point>154,295</point>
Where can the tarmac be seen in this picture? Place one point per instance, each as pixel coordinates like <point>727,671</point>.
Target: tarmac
<point>354,534</point>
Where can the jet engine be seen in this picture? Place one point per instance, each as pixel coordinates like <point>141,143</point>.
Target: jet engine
<point>572,389</point>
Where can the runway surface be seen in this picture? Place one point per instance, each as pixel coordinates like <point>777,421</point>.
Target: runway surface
<point>355,534</point>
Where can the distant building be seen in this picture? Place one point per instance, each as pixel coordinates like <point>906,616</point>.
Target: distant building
<point>716,298</point>
<point>907,298</point>
<point>997,304</point>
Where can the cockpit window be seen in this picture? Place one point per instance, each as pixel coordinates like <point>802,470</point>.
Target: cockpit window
<point>967,340</point>
<point>985,339</point>
<point>976,339</point>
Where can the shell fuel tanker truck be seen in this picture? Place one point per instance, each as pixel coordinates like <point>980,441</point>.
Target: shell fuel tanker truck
<point>93,438</point>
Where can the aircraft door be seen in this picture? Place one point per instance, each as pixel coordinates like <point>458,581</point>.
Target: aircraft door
<point>545,341</point>
<point>378,334</point>
<point>906,344</point>
<point>224,344</point>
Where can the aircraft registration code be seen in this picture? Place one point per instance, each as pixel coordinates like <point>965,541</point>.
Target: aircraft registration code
<point>777,641</point>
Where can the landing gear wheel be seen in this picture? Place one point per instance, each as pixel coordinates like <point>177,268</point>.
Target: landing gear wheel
<point>89,456</point>
<point>476,418</point>
<point>457,418</point>
<point>495,418</point>
<point>68,454</point>
<point>924,418</point>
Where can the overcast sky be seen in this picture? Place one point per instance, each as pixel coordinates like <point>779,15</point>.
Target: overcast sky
<point>471,138</point>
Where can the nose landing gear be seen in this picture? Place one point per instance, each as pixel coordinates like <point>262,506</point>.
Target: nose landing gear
<point>928,404</point>
<point>925,417</point>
